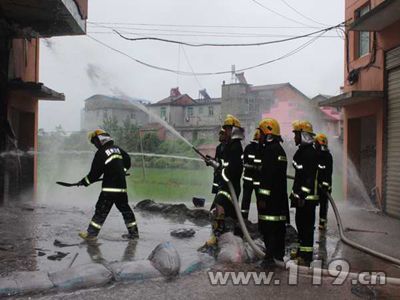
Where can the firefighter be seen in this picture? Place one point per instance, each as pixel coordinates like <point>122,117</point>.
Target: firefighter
<point>304,196</point>
<point>325,167</point>
<point>112,162</point>
<point>231,168</point>
<point>272,199</point>
<point>249,174</point>
<point>217,158</point>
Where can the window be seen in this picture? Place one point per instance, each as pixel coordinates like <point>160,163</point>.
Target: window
<point>163,113</point>
<point>250,105</point>
<point>362,38</point>
<point>210,111</point>
<point>190,111</point>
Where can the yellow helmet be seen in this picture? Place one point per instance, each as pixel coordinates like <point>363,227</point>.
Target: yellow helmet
<point>231,121</point>
<point>321,139</point>
<point>270,126</point>
<point>302,125</point>
<point>97,132</point>
<point>256,136</point>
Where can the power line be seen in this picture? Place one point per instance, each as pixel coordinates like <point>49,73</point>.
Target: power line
<point>205,26</point>
<point>301,47</point>
<point>301,14</point>
<point>228,45</point>
<point>190,66</point>
<point>279,14</point>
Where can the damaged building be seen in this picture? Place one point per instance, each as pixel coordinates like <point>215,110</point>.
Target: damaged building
<point>22,25</point>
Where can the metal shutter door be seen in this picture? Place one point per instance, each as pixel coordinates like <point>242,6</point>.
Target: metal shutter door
<point>392,176</point>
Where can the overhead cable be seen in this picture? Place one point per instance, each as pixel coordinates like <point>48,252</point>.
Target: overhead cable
<point>301,14</point>
<point>304,45</point>
<point>228,44</point>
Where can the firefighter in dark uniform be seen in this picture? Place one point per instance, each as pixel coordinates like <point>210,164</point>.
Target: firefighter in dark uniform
<point>112,162</point>
<point>304,196</point>
<point>325,168</point>
<point>272,198</point>
<point>249,174</point>
<point>217,158</point>
<point>231,168</point>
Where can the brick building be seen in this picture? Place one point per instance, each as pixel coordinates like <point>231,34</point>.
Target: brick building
<point>371,99</point>
<point>22,24</point>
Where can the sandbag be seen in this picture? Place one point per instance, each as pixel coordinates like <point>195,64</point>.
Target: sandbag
<point>25,282</point>
<point>134,270</point>
<point>166,259</point>
<point>232,249</point>
<point>81,276</point>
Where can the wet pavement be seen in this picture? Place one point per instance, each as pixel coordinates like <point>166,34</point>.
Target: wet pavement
<point>42,235</point>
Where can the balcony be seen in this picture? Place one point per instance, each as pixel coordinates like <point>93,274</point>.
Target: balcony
<point>380,17</point>
<point>44,18</point>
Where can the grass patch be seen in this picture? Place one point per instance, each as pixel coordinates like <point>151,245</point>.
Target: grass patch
<point>170,184</point>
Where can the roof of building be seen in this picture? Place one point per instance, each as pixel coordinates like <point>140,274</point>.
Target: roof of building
<point>183,99</point>
<point>99,101</point>
<point>276,86</point>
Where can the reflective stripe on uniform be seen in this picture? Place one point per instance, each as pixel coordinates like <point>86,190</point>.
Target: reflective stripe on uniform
<point>87,180</point>
<point>271,218</point>
<point>224,176</point>
<point>306,249</point>
<point>215,184</point>
<point>256,183</point>
<point>321,166</point>
<point>297,166</point>
<point>264,192</point>
<point>247,178</point>
<point>282,158</point>
<point>245,210</point>
<point>241,157</point>
<point>296,195</point>
<point>112,157</point>
<point>113,190</point>
<point>129,225</point>
<point>226,194</point>
<point>224,164</point>
<point>95,225</point>
<point>251,156</point>
<point>325,183</point>
<point>305,189</point>
<point>259,161</point>
<point>312,197</point>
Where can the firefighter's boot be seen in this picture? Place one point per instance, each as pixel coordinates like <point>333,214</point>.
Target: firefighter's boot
<point>87,237</point>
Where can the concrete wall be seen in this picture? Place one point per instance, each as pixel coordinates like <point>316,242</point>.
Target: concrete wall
<point>92,119</point>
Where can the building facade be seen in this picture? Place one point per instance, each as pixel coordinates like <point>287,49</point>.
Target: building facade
<point>371,100</point>
<point>99,108</point>
<point>21,28</point>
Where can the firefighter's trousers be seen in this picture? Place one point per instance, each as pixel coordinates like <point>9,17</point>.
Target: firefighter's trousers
<point>323,208</point>
<point>246,200</point>
<point>305,221</point>
<point>103,207</point>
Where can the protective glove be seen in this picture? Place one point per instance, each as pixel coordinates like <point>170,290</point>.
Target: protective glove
<point>82,182</point>
<point>296,201</point>
<point>212,162</point>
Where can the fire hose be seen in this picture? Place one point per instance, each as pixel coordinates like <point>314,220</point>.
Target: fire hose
<point>313,270</point>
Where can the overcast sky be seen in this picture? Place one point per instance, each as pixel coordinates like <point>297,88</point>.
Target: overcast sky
<point>81,67</point>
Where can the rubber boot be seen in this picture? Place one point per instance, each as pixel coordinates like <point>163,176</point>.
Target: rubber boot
<point>132,234</point>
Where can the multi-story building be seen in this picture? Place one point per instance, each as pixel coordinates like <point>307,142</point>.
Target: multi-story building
<point>371,99</point>
<point>193,119</point>
<point>99,108</point>
<point>22,26</point>
<point>281,101</point>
